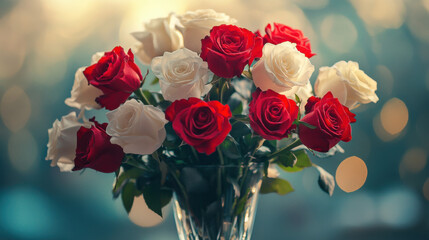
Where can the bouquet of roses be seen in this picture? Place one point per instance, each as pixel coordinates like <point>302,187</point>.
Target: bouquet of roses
<point>232,105</point>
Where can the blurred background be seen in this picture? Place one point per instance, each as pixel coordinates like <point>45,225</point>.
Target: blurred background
<point>43,42</point>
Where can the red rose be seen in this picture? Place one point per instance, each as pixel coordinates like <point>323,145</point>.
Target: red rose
<point>272,114</point>
<point>116,75</point>
<point>229,49</point>
<point>332,121</point>
<point>282,33</point>
<point>203,125</point>
<point>95,151</point>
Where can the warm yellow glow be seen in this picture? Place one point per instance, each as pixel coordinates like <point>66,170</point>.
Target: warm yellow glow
<point>426,189</point>
<point>414,160</point>
<point>394,116</point>
<point>380,132</point>
<point>15,108</point>
<point>141,215</point>
<point>417,21</point>
<point>381,13</point>
<point>23,161</point>
<point>338,33</point>
<point>351,174</point>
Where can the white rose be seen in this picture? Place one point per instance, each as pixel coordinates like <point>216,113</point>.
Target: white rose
<point>281,68</point>
<point>136,127</point>
<point>182,74</point>
<point>83,95</point>
<point>159,35</point>
<point>63,140</point>
<point>347,83</point>
<point>197,24</point>
<point>303,92</point>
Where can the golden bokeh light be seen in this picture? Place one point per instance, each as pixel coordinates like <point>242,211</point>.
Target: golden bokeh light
<point>381,13</point>
<point>351,174</point>
<point>15,108</point>
<point>414,160</point>
<point>23,161</point>
<point>141,215</point>
<point>338,33</point>
<point>394,116</point>
<point>381,133</point>
<point>417,22</point>
<point>426,189</point>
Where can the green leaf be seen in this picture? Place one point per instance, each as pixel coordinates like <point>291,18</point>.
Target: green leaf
<point>150,98</point>
<point>238,110</point>
<point>326,181</point>
<point>156,198</point>
<point>277,185</point>
<point>128,193</point>
<point>230,149</point>
<point>307,125</point>
<point>287,159</point>
<point>302,161</point>
<point>155,81</point>
<point>241,204</point>
<point>241,118</point>
<point>239,129</point>
<point>123,179</point>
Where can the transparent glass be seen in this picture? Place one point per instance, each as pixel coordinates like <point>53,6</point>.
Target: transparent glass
<point>216,202</point>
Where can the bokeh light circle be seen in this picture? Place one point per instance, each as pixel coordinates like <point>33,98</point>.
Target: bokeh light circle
<point>15,108</point>
<point>394,116</point>
<point>141,215</point>
<point>351,174</point>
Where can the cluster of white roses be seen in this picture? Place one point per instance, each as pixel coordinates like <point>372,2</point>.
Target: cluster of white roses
<point>172,45</point>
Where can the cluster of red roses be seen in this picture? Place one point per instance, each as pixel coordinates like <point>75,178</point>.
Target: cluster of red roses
<point>205,124</point>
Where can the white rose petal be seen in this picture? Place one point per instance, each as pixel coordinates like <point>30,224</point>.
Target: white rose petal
<point>281,68</point>
<point>136,127</point>
<point>347,83</point>
<point>303,92</point>
<point>182,74</point>
<point>63,140</point>
<point>83,95</point>
<point>197,24</point>
<point>159,35</point>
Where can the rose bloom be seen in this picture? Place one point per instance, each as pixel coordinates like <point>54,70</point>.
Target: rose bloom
<point>83,95</point>
<point>331,121</point>
<point>271,114</point>
<point>116,75</point>
<point>281,68</point>
<point>279,33</point>
<point>62,141</point>
<point>197,24</point>
<point>94,150</point>
<point>229,49</point>
<point>347,83</point>
<point>203,125</point>
<point>182,74</point>
<point>137,128</point>
<point>158,36</point>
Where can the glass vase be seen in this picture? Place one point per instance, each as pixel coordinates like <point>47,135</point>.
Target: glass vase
<point>216,202</point>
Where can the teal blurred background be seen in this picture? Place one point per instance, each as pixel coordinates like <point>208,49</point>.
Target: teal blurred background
<point>43,42</point>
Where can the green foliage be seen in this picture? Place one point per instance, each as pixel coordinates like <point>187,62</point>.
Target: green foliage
<point>275,185</point>
<point>326,181</point>
<point>299,158</point>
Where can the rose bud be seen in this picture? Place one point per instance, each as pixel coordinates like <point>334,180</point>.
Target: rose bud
<point>116,75</point>
<point>331,122</point>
